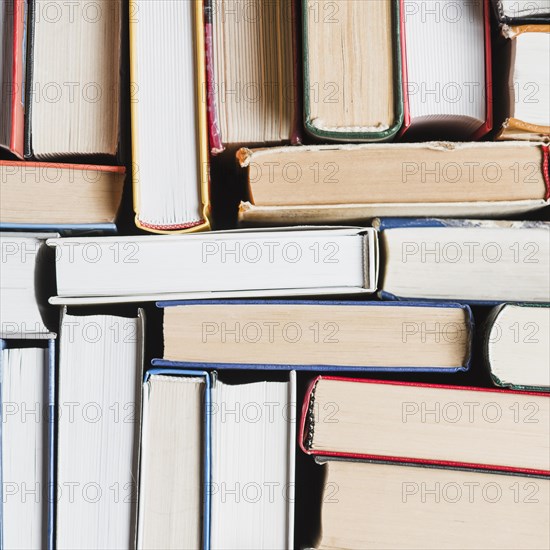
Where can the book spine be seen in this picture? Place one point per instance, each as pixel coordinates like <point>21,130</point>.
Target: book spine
<point>296,130</point>
<point>18,80</point>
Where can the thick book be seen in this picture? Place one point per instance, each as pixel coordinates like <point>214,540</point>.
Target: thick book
<point>352,69</point>
<point>369,506</point>
<point>516,12</point>
<point>466,260</point>
<point>447,70</point>
<point>98,410</point>
<point>73,79</point>
<point>526,93</point>
<point>27,452</point>
<point>175,461</point>
<point>198,487</point>
<point>329,183</point>
<point>320,335</point>
<point>252,71</point>
<point>253,454</point>
<point>13,51</point>
<point>170,172</point>
<point>60,197</point>
<point>454,426</point>
<point>517,346</point>
<point>26,266</point>
<point>293,261</point>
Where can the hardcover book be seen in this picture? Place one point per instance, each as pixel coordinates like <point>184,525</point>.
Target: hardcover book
<point>27,452</point>
<point>352,183</point>
<point>13,51</point>
<point>465,260</point>
<point>370,505</point>
<point>170,172</point>
<point>252,71</point>
<point>73,79</point>
<point>293,261</point>
<point>517,346</point>
<point>452,426</point>
<point>320,335</point>
<point>447,72</point>
<point>39,196</point>
<point>352,70</point>
<point>526,95</point>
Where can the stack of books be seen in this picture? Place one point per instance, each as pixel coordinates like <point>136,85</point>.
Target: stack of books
<point>275,274</point>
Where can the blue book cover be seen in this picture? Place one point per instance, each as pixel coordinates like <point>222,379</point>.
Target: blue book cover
<point>206,440</point>
<point>317,365</point>
<point>49,481</point>
<point>67,230</point>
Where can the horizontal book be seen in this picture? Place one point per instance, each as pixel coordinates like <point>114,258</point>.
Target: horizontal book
<point>99,379</point>
<point>253,454</point>
<point>73,79</point>
<point>174,508</point>
<point>169,128</point>
<point>526,97</point>
<point>60,196</point>
<point>466,260</point>
<point>327,184</point>
<point>252,72</point>
<point>447,70</point>
<point>342,40</point>
<point>517,346</point>
<point>329,335</point>
<point>369,506</point>
<point>286,262</point>
<point>27,444</point>
<point>24,285</point>
<point>13,51</point>
<point>427,424</point>
<point>513,12</point>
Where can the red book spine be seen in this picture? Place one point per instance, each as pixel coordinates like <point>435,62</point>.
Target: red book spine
<point>17,90</point>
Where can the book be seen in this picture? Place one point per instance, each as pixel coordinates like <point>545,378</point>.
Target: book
<point>513,12</point>
<point>73,79</point>
<point>371,506</point>
<point>320,335</point>
<point>174,508</point>
<point>252,72</point>
<point>352,70</point>
<point>169,129</point>
<point>526,94</point>
<point>327,184</point>
<point>13,51</point>
<point>24,285</point>
<point>27,395</point>
<point>60,197</point>
<point>285,262</point>
<point>454,426</point>
<point>468,260</point>
<point>517,346</point>
<point>448,70</point>
<point>197,488</point>
<point>99,407</point>
<point>253,453</point>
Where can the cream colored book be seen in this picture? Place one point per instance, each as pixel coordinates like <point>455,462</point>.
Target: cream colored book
<point>352,183</point>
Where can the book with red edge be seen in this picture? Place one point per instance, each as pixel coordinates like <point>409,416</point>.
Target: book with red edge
<point>453,14</point>
<point>289,93</point>
<point>13,16</point>
<point>453,426</point>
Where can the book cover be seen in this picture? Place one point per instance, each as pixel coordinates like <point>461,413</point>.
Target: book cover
<point>318,367</point>
<point>309,402</point>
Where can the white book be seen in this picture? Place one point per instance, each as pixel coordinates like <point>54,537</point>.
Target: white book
<point>100,370</point>
<point>283,262</point>
<point>24,448</point>
<point>24,278</point>
<point>253,451</point>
